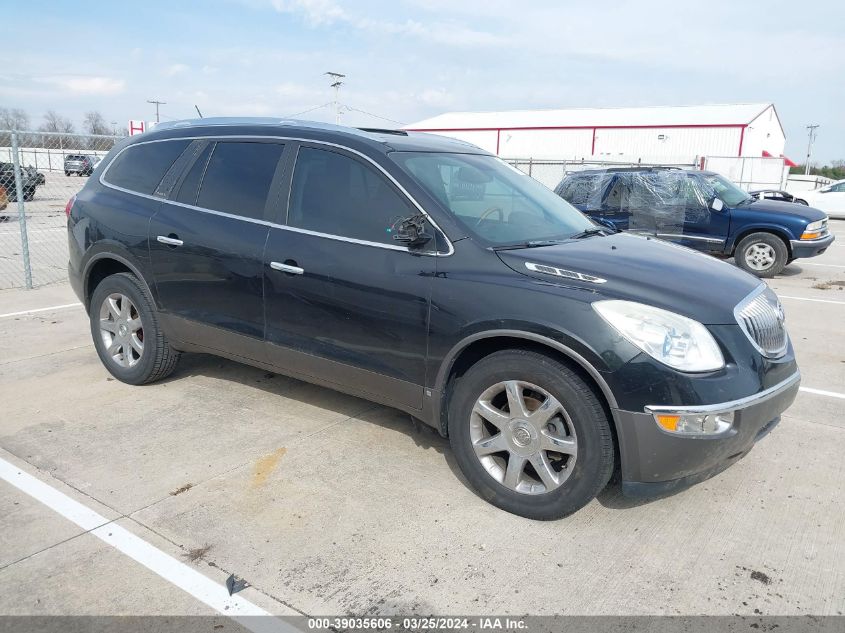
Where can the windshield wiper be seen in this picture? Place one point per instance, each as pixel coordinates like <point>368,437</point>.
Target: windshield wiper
<point>596,230</point>
<point>528,244</point>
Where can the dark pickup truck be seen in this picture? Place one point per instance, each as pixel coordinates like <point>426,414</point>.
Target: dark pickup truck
<point>702,210</point>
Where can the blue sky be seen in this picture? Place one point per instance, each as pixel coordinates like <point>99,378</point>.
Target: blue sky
<point>410,59</point>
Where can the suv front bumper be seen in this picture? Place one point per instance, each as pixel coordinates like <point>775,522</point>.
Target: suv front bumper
<point>811,248</point>
<point>656,462</point>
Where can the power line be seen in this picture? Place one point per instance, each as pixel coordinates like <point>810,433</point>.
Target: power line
<point>291,116</point>
<point>811,136</point>
<point>383,118</point>
<point>343,107</point>
<point>157,104</point>
<point>337,83</point>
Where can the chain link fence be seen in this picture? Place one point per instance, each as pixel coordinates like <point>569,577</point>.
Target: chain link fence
<point>39,173</point>
<point>550,172</point>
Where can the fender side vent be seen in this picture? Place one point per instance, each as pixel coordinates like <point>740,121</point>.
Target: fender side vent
<point>562,272</point>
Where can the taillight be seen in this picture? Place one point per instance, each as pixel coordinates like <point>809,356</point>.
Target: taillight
<point>69,206</point>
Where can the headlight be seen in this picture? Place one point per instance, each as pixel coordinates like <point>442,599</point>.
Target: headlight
<point>814,230</point>
<point>670,338</point>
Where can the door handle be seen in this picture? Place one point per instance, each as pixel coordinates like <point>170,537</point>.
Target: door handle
<point>170,241</point>
<point>287,268</point>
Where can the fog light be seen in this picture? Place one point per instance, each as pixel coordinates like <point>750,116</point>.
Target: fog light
<point>695,423</point>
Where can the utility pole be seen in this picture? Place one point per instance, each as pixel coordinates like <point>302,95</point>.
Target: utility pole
<point>157,104</point>
<point>811,134</point>
<point>336,84</point>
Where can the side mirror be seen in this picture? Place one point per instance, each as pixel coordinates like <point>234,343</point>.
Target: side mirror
<point>411,231</point>
<point>717,205</point>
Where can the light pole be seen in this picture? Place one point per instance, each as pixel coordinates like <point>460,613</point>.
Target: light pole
<point>336,84</point>
<point>811,134</point>
<point>157,104</point>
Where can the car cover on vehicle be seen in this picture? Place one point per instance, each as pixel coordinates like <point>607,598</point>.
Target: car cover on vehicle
<point>650,200</point>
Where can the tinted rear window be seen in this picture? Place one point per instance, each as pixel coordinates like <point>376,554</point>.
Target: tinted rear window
<point>238,177</point>
<point>141,167</point>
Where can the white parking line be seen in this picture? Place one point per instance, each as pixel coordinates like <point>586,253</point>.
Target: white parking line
<point>822,265</point>
<point>822,392</point>
<point>170,569</point>
<point>842,303</point>
<point>50,309</point>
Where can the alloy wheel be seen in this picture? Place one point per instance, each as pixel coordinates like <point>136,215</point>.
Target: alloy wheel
<point>523,437</point>
<point>121,330</point>
<point>760,256</point>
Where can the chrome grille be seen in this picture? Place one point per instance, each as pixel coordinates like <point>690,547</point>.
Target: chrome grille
<point>761,317</point>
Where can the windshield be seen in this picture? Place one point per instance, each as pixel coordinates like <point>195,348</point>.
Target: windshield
<point>724,189</point>
<point>493,200</point>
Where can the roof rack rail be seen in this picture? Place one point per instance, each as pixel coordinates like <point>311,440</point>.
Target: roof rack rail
<point>639,168</point>
<point>378,130</point>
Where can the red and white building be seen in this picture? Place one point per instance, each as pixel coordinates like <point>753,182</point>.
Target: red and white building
<point>680,134</point>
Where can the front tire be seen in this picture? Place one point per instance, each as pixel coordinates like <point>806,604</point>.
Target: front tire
<point>126,331</point>
<point>762,254</point>
<point>530,435</point>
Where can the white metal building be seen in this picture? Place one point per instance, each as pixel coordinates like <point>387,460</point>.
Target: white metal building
<point>681,134</point>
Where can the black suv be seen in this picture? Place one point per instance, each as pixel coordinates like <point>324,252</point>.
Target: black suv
<point>426,274</point>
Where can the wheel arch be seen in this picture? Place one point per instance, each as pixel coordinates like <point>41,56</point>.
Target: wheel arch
<point>472,348</point>
<point>776,231</point>
<point>106,263</point>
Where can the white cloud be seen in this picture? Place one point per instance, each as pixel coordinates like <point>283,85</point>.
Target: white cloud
<point>291,90</point>
<point>316,12</point>
<point>324,13</point>
<point>437,98</point>
<point>86,84</point>
<point>176,69</point>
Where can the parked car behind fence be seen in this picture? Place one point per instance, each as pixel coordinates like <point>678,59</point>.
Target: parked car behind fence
<point>80,164</point>
<point>30,181</point>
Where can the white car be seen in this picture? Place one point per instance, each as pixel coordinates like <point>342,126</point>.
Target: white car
<point>830,199</point>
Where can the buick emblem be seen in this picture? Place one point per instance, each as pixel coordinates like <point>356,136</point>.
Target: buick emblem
<point>521,436</point>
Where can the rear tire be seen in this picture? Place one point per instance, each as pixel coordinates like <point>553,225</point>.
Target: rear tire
<point>126,331</point>
<point>761,254</point>
<point>497,450</point>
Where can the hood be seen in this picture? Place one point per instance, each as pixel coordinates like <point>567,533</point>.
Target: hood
<point>646,270</point>
<point>811,214</point>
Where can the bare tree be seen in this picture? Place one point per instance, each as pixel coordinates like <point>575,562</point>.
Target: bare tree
<point>95,123</point>
<point>55,123</point>
<point>12,119</point>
